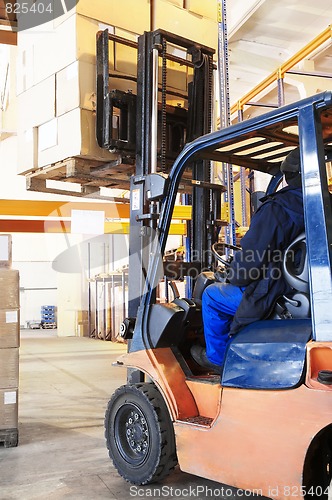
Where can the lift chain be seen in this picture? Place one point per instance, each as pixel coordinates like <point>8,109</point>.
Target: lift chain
<point>163,106</point>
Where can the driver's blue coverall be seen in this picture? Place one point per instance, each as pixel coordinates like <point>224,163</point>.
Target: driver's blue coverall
<point>255,280</point>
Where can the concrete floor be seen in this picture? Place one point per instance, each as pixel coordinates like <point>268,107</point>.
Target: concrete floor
<point>65,384</point>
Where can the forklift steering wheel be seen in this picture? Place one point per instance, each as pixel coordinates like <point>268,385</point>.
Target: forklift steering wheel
<point>218,255</point>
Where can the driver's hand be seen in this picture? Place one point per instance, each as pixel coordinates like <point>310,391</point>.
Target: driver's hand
<point>221,275</point>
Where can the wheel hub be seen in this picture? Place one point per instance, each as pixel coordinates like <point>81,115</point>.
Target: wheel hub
<point>132,434</point>
<point>137,433</point>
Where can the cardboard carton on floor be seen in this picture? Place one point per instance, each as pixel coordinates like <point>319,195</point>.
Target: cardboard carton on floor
<point>9,328</point>
<point>9,289</point>
<point>8,408</point>
<point>9,368</point>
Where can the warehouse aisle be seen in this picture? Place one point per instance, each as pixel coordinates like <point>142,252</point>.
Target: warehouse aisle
<point>65,384</point>
<point>64,387</point>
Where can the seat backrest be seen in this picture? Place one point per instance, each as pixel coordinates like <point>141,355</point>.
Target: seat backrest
<point>295,265</point>
<point>296,304</point>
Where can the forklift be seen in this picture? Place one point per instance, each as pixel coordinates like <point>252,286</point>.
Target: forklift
<point>265,424</point>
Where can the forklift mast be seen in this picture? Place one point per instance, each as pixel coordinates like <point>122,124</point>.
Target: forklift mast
<point>273,393</point>
<point>150,160</point>
<point>151,133</point>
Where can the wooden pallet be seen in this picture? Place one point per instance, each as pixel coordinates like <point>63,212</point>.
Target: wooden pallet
<point>48,326</point>
<point>90,174</point>
<point>9,437</point>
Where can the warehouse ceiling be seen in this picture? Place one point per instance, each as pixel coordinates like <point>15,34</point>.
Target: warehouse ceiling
<point>262,34</point>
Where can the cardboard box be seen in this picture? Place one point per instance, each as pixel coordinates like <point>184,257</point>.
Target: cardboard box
<point>55,49</point>
<point>82,316</point>
<point>74,134</point>
<point>175,20</point>
<point>9,328</point>
<point>44,50</point>
<point>5,250</point>
<point>27,157</point>
<point>76,87</point>
<point>37,104</point>
<point>9,289</point>
<point>9,362</point>
<point>82,323</point>
<point>82,329</point>
<point>57,113</point>
<point>24,65</point>
<point>179,3</point>
<point>125,57</point>
<point>132,15</point>
<point>8,409</point>
<point>205,9</point>
<point>86,34</point>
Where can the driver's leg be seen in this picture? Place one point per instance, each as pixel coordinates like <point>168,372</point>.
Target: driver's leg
<point>219,304</point>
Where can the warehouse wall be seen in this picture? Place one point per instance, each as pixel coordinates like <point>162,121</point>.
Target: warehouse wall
<point>50,104</point>
<point>55,269</point>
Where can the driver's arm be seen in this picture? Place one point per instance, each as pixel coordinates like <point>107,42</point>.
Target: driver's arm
<point>261,243</point>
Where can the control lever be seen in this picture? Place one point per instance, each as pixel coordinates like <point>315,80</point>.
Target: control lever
<point>292,302</point>
<point>174,289</point>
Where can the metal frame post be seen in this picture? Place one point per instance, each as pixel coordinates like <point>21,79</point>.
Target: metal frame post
<point>223,73</point>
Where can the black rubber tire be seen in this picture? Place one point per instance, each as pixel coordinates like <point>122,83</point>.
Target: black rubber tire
<point>139,434</point>
<point>318,468</point>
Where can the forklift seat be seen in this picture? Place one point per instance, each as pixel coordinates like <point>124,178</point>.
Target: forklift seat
<point>295,304</point>
<point>168,322</point>
<point>267,354</point>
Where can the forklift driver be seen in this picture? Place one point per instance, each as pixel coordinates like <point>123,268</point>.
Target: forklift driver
<point>254,279</point>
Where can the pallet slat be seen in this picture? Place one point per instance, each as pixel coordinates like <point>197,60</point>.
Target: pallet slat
<point>9,437</point>
<point>89,173</point>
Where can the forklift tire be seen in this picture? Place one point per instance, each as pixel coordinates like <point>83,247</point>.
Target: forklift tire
<point>317,473</point>
<point>139,434</point>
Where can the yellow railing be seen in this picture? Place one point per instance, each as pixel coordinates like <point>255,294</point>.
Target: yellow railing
<point>286,66</point>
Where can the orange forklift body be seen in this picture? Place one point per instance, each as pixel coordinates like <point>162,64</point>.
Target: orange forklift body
<point>274,439</point>
<point>232,435</point>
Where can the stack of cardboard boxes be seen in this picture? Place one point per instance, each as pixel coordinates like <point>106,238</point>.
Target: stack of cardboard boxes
<point>56,71</point>
<point>9,345</point>
<point>56,85</point>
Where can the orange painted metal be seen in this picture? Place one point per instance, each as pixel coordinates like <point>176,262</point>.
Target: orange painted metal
<point>319,357</point>
<point>63,209</point>
<point>60,208</point>
<point>61,226</point>
<point>257,439</point>
<point>34,226</point>
<point>207,396</point>
<point>31,216</point>
<point>8,37</point>
<point>162,366</point>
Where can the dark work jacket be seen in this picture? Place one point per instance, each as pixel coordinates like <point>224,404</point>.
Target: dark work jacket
<point>257,267</point>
